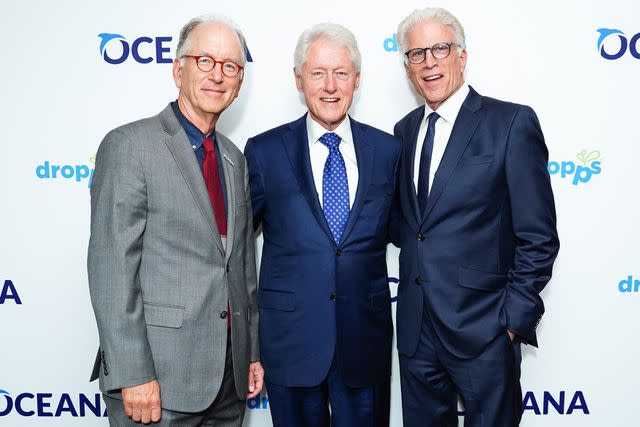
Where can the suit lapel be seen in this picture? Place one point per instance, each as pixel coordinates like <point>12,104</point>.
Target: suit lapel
<point>411,141</point>
<point>178,144</point>
<point>230,184</point>
<point>463,128</point>
<point>296,144</point>
<point>365,152</point>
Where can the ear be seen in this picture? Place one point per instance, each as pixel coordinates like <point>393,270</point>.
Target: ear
<point>463,61</point>
<point>357,82</point>
<point>240,81</point>
<point>298,79</point>
<point>177,73</point>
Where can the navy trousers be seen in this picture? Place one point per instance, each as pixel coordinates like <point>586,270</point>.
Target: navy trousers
<point>488,385</point>
<point>349,407</point>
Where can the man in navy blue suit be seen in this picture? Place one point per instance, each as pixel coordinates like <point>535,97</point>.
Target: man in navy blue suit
<point>322,188</point>
<point>477,229</point>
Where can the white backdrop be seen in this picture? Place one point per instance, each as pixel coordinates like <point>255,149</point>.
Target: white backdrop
<point>61,97</point>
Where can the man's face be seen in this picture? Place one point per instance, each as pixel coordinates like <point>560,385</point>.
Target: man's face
<point>327,80</point>
<point>435,79</point>
<point>204,95</point>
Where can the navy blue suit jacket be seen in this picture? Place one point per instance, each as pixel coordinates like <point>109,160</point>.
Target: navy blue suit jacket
<point>485,246</point>
<point>316,298</point>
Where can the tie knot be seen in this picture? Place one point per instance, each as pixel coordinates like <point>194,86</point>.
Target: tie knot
<point>433,118</point>
<point>208,145</point>
<point>330,139</point>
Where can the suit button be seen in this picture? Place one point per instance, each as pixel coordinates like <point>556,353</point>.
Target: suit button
<point>223,315</point>
<point>418,280</point>
<point>421,237</point>
<point>332,297</point>
<point>339,252</point>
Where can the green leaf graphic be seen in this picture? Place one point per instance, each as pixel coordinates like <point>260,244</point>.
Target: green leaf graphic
<point>585,157</point>
<point>594,155</point>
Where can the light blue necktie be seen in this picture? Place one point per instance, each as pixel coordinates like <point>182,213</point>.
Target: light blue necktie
<point>335,188</point>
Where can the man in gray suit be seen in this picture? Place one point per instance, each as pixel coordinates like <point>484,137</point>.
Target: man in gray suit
<point>171,259</point>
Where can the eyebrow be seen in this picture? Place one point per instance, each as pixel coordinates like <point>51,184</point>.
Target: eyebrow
<point>203,53</point>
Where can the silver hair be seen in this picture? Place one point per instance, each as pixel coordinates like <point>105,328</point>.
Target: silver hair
<point>335,33</point>
<point>185,34</point>
<point>438,14</point>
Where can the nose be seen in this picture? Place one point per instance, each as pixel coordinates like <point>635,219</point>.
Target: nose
<point>430,61</point>
<point>330,83</point>
<point>216,73</point>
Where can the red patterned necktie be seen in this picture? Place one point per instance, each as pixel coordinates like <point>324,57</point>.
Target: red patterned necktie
<point>214,187</point>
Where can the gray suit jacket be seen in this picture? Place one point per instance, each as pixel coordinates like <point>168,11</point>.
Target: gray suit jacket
<point>159,277</point>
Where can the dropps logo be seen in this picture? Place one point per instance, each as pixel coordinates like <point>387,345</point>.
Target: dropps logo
<point>260,401</point>
<point>78,173</point>
<point>629,285</point>
<point>52,405</point>
<point>143,50</point>
<point>390,44</point>
<point>578,173</point>
<point>615,47</point>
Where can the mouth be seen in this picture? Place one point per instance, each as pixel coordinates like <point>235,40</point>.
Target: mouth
<point>330,99</point>
<point>213,91</point>
<point>433,77</point>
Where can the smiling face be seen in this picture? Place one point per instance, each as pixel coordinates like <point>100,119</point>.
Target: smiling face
<point>328,80</point>
<point>435,79</point>
<point>204,96</point>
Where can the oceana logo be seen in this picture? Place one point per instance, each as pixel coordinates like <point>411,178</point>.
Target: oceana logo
<point>611,48</point>
<point>143,49</point>
<point>9,293</point>
<point>52,405</point>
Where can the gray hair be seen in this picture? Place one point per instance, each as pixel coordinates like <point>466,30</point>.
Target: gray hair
<point>185,34</point>
<point>441,15</point>
<point>335,33</point>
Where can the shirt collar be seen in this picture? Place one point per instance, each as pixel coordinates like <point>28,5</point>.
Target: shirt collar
<point>195,136</point>
<point>315,130</point>
<point>450,108</point>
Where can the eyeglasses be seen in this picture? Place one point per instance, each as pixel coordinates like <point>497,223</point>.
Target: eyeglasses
<point>207,63</point>
<point>438,50</point>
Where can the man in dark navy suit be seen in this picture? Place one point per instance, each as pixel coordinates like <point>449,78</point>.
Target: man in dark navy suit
<point>477,229</point>
<point>322,188</point>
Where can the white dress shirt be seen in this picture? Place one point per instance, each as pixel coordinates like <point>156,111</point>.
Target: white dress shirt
<point>318,153</point>
<point>448,112</point>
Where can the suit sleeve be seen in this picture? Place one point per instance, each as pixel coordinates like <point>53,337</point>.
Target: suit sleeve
<point>395,216</point>
<point>534,224</point>
<point>256,183</point>
<point>118,219</point>
<point>250,274</point>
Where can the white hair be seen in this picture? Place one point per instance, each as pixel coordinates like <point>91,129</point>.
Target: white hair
<point>438,14</point>
<point>335,33</point>
<point>185,34</point>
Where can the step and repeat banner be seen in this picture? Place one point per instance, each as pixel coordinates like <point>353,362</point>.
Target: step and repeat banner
<point>72,70</point>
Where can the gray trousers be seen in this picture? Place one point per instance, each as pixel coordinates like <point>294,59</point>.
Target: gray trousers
<point>225,411</point>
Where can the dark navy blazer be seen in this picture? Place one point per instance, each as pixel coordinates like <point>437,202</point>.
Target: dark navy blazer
<point>316,298</point>
<point>485,246</point>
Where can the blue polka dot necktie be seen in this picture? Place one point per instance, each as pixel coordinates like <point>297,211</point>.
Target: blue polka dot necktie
<point>335,187</point>
<point>425,162</point>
